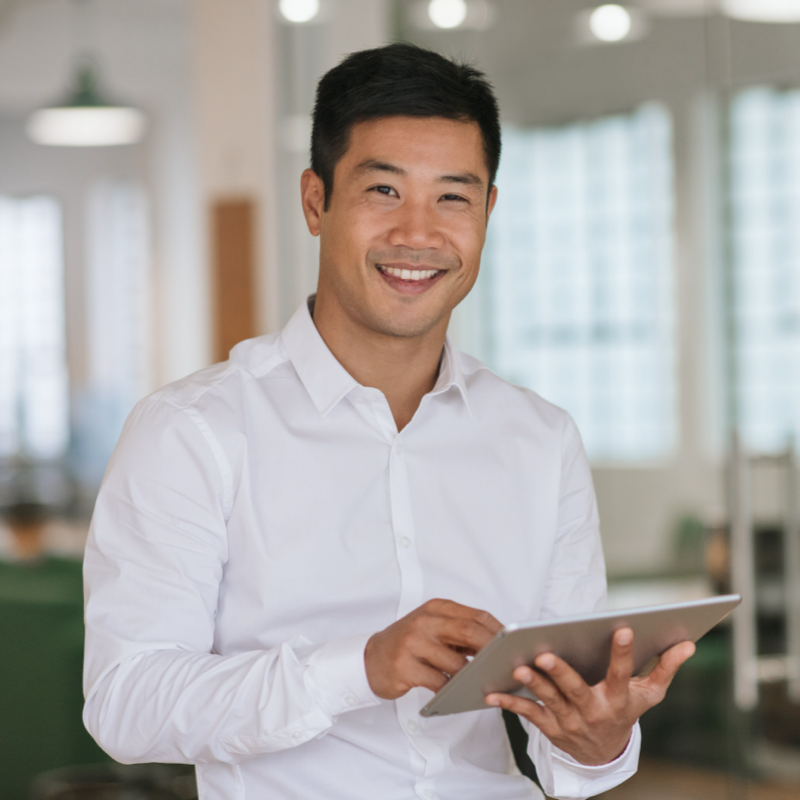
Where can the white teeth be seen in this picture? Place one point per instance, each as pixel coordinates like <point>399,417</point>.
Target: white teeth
<point>409,274</point>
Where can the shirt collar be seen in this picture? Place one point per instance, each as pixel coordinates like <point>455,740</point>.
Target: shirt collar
<point>327,381</point>
<point>451,374</point>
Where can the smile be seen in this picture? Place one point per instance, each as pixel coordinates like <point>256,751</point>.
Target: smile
<point>409,274</point>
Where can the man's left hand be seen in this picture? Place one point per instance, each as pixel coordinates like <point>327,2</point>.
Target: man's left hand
<point>592,723</point>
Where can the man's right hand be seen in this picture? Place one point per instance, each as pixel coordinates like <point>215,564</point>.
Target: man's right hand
<point>426,647</point>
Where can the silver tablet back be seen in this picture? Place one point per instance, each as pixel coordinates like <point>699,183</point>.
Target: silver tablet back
<point>583,642</point>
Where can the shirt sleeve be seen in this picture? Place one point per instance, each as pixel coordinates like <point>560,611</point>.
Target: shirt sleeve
<point>576,585</point>
<point>157,549</point>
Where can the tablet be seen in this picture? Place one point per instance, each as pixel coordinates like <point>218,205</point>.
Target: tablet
<point>583,642</point>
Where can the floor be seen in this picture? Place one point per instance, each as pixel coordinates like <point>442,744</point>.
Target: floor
<point>658,780</point>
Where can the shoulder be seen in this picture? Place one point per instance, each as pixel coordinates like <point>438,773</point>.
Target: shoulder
<point>249,361</point>
<point>209,395</point>
<point>491,395</point>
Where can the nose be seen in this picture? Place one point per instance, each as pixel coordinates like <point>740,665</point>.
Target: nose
<point>416,225</point>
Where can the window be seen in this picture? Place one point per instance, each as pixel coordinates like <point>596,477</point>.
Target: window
<point>578,280</point>
<point>34,416</point>
<point>117,320</point>
<point>765,209</point>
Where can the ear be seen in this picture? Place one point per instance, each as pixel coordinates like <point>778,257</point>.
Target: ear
<point>312,194</point>
<point>492,201</point>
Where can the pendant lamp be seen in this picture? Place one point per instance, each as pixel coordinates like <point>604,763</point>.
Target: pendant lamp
<point>86,118</point>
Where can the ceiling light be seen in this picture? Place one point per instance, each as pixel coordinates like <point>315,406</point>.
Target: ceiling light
<point>610,23</point>
<point>447,13</point>
<point>86,127</point>
<point>299,10</point>
<point>763,10</point>
<point>85,119</point>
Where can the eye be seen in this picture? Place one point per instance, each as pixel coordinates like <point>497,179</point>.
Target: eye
<point>454,197</point>
<point>385,190</point>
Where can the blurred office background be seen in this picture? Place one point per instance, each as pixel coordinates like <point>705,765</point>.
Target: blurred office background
<point>642,270</point>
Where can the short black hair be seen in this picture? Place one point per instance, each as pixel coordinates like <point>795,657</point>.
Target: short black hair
<point>398,80</point>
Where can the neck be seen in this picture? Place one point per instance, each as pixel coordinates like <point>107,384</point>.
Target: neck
<point>403,368</point>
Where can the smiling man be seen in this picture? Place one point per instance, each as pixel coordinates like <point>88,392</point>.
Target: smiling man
<point>292,550</point>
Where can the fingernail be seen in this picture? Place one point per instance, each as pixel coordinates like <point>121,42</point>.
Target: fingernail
<point>624,638</point>
<point>491,700</point>
<point>546,662</point>
<point>523,675</point>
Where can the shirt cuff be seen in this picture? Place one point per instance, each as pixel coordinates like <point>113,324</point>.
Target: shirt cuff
<point>600,769</point>
<point>337,675</point>
<point>570,779</point>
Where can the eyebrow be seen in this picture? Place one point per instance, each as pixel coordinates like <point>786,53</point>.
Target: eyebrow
<point>374,165</point>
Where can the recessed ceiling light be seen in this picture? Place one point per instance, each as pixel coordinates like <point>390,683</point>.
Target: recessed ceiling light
<point>610,23</point>
<point>447,13</point>
<point>299,10</point>
<point>763,10</point>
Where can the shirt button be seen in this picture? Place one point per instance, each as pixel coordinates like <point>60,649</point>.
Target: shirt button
<point>429,794</point>
<point>296,734</point>
<point>405,542</point>
<point>412,726</point>
<point>350,700</point>
<point>398,448</point>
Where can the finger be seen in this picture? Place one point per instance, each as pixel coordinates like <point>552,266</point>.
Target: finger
<point>427,677</point>
<point>569,683</point>
<point>544,689</point>
<point>449,608</point>
<point>532,711</point>
<point>669,663</point>
<point>462,632</point>
<point>620,668</point>
<point>440,657</point>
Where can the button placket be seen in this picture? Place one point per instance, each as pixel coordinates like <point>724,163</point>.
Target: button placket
<point>408,707</point>
<point>411,587</point>
<point>411,597</point>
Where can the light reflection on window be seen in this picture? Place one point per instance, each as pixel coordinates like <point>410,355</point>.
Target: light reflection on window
<point>34,415</point>
<point>765,206</point>
<point>117,320</point>
<point>580,277</point>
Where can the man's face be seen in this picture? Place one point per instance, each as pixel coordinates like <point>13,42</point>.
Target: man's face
<point>400,243</point>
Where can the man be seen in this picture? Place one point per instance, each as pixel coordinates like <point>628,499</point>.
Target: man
<point>292,550</point>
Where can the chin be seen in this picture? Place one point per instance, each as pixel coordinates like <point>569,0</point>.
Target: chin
<point>408,328</point>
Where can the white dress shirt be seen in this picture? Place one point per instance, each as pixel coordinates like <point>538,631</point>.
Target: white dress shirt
<point>261,519</point>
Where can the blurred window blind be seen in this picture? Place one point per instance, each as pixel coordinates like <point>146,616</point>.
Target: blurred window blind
<point>34,413</point>
<point>765,209</point>
<point>579,277</point>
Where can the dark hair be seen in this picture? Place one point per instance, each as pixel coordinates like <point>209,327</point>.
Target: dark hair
<point>398,80</point>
